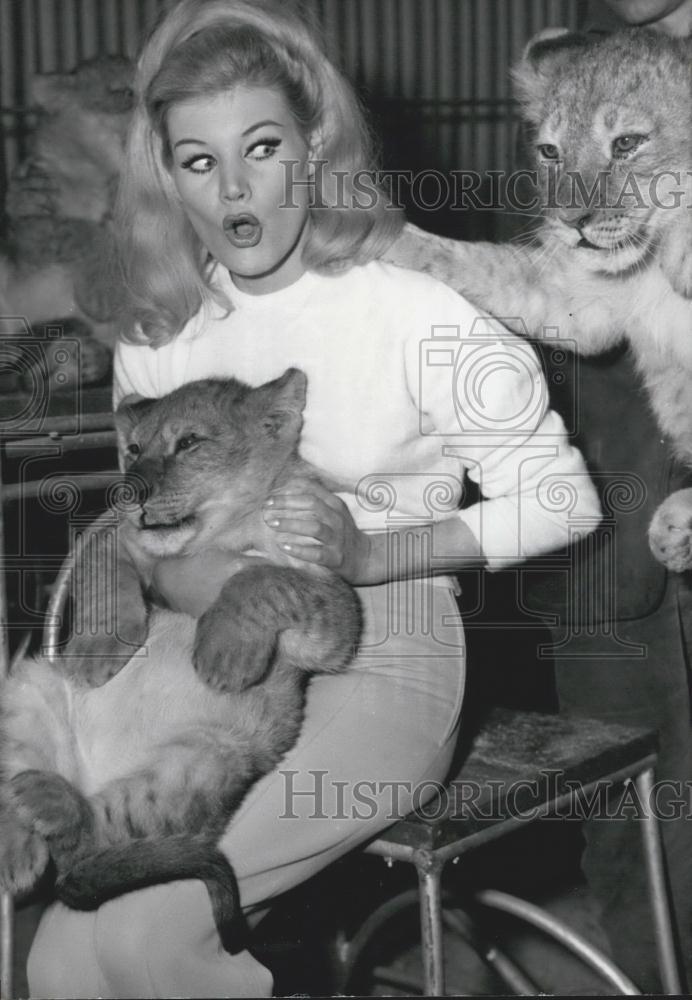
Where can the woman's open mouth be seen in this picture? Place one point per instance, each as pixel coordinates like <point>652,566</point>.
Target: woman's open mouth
<point>242,230</point>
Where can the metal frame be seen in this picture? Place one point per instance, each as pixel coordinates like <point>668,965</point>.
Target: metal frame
<point>429,864</point>
<point>6,900</point>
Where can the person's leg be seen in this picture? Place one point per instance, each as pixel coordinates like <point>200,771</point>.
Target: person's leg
<point>652,691</point>
<point>159,942</point>
<point>371,739</point>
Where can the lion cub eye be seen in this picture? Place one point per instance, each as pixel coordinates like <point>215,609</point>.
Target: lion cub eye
<point>625,144</point>
<point>186,442</point>
<point>549,152</point>
<point>134,450</point>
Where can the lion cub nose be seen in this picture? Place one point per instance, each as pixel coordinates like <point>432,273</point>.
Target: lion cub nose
<point>140,487</point>
<point>576,218</point>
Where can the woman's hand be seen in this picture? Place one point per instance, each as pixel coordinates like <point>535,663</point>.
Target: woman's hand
<point>310,524</point>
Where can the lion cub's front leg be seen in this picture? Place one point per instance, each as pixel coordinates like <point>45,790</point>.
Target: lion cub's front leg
<point>676,255</point>
<point>276,617</point>
<point>23,851</point>
<point>57,812</point>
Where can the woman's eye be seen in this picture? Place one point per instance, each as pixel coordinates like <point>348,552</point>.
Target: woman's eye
<point>263,149</point>
<point>625,144</point>
<point>199,164</point>
<point>549,152</point>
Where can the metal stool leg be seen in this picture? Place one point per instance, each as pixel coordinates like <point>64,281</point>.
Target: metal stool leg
<point>429,871</point>
<point>661,904</point>
<point>6,945</point>
<point>561,932</point>
<point>6,901</point>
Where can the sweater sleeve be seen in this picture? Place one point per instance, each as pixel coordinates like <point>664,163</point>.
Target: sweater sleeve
<point>481,389</point>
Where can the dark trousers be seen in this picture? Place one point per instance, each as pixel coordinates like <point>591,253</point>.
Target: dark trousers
<point>651,691</point>
<point>621,634</point>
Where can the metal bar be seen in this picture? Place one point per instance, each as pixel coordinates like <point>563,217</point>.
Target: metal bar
<point>100,25</point>
<point>505,967</point>
<point>402,852</point>
<point>86,481</point>
<point>78,31</point>
<point>671,973</point>
<point>558,930</point>
<point>429,873</point>
<point>69,30</point>
<point>56,607</point>
<point>452,102</point>
<point>58,38</point>
<point>37,66</point>
<point>82,442</point>
<point>414,102</point>
<point>4,143</point>
<point>6,945</point>
<point>351,951</point>
<point>66,425</point>
<point>19,83</point>
<point>6,901</point>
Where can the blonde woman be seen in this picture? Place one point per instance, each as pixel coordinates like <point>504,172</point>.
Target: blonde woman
<point>251,228</point>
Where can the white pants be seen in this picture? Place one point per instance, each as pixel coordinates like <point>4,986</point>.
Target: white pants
<point>374,741</point>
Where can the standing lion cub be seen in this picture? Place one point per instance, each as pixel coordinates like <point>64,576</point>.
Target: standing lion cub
<point>122,800</point>
<point>610,121</point>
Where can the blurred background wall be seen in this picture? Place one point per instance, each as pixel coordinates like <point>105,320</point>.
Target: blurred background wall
<point>434,74</point>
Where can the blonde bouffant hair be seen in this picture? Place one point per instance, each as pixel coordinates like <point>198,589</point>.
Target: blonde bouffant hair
<point>202,48</point>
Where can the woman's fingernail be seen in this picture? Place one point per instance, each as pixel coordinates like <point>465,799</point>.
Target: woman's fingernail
<point>269,502</point>
<point>273,523</point>
<point>286,546</point>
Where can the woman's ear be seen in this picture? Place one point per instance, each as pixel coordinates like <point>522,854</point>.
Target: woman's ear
<point>315,147</point>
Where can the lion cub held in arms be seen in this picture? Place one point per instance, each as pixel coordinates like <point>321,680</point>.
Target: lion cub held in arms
<point>611,125</point>
<point>139,792</point>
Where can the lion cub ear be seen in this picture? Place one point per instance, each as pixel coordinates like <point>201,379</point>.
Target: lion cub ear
<point>542,57</point>
<point>282,403</point>
<point>130,411</point>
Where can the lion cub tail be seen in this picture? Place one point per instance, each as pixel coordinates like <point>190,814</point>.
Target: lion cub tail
<point>114,871</point>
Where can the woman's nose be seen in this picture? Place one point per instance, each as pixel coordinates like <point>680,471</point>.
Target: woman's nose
<point>234,183</point>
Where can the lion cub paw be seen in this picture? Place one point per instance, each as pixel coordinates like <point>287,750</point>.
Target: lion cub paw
<point>670,532</point>
<point>676,258</point>
<point>23,855</point>
<point>230,654</point>
<point>55,809</point>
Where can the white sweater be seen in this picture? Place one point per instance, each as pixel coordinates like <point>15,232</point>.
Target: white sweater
<point>409,391</point>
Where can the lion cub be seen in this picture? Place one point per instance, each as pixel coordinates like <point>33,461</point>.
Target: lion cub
<point>140,793</point>
<point>610,121</point>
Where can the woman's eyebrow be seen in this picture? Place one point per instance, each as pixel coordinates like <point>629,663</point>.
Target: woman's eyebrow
<point>252,128</point>
<point>266,121</point>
